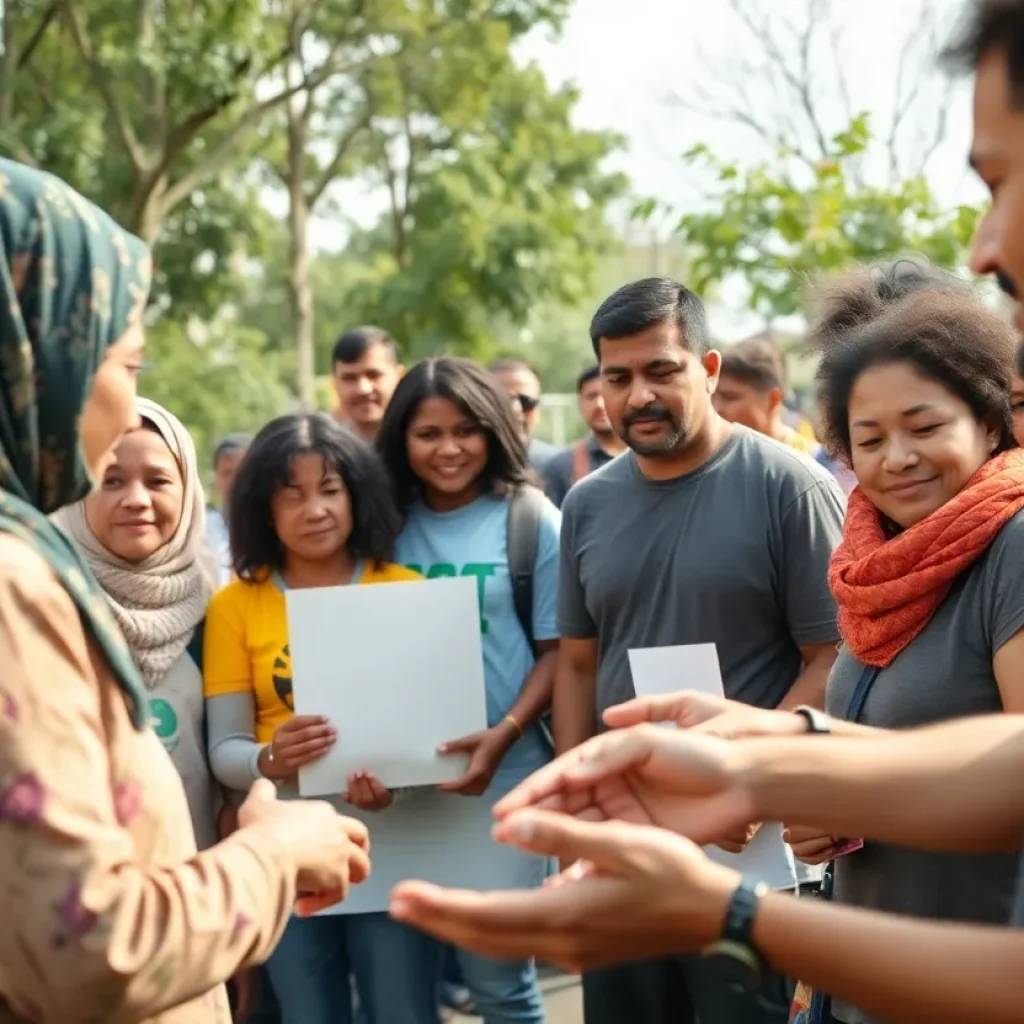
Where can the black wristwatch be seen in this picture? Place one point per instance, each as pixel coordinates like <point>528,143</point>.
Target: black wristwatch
<point>818,723</point>
<point>734,955</point>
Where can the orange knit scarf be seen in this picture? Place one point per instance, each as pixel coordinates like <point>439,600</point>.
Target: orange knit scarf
<point>889,588</point>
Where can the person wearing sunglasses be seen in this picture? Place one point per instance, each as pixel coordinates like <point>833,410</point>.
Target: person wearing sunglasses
<point>521,382</point>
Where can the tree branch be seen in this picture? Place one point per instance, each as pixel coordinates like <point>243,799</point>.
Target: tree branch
<point>104,82</point>
<point>244,123</point>
<point>36,38</point>
<point>333,166</point>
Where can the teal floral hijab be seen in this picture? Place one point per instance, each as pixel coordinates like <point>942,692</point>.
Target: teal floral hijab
<point>71,282</point>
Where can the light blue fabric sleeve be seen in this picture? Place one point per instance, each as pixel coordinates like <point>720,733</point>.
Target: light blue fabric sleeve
<point>231,737</point>
<point>545,575</point>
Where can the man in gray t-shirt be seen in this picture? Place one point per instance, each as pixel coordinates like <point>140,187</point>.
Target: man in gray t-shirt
<point>703,533</point>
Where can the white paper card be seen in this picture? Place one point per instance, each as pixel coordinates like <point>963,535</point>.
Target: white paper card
<point>443,838</point>
<point>660,670</point>
<point>397,669</point>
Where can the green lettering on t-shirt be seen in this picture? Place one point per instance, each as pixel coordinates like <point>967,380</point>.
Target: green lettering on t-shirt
<point>446,570</point>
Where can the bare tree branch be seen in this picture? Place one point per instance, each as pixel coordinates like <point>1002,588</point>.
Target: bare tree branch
<point>104,81</point>
<point>341,152</point>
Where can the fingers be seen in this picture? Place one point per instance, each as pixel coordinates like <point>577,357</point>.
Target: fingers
<point>686,708</point>
<point>463,745</point>
<point>568,839</point>
<point>262,790</point>
<point>794,834</point>
<point>604,756</point>
<point>367,792</point>
<point>473,783</point>
<point>307,905</point>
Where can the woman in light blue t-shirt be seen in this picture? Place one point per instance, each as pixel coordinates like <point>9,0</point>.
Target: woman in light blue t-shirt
<point>455,453</point>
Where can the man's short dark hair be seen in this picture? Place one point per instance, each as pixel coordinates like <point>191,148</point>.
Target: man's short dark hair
<point>755,362</point>
<point>231,444</point>
<point>589,374</point>
<point>354,344</point>
<point>990,26</point>
<point>643,304</point>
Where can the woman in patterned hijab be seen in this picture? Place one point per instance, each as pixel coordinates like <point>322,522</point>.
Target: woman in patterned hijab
<point>112,915</point>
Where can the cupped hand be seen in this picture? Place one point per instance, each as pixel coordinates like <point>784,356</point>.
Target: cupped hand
<point>810,845</point>
<point>297,742</point>
<point>485,749</point>
<point>738,840</point>
<point>367,792</point>
<point>331,852</point>
<point>715,716</point>
<point>642,893</point>
<point>692,785</point>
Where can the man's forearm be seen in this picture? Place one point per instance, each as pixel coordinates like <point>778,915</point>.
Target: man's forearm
<point>574,707</point>
<point>809,686</point>
<point>941,788</point>
<point>896,968</point>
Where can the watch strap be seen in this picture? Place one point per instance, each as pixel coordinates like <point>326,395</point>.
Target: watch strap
<point>737,938</point>
<point>818,723</point>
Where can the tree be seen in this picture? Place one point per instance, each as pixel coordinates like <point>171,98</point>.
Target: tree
<point>778,223</point>
<point>496,202</point>
<point>785,83</point>
<point>156,105</point>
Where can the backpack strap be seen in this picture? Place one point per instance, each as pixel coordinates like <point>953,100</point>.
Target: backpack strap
<point>522,541</point>
<point>580,461</point>
<point>195,645</point>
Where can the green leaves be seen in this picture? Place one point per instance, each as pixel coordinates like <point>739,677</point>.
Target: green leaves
<point>777,224</point>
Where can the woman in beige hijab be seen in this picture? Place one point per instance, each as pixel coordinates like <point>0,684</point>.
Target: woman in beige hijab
<point>142,533</point>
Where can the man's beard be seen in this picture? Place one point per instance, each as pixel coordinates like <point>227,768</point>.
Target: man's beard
<point>668,444</point>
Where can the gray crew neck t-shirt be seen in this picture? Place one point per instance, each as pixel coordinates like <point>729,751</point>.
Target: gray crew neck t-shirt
<point>945,673</point>
<point>735,553</point>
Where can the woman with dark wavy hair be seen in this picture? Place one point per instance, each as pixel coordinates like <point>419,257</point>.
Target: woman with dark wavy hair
<point>458,459</point>
<point>311,507</point>
<point>915,387</point>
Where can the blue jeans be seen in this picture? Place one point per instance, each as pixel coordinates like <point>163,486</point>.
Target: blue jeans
<point>396,969</point>
<point>504,991</point>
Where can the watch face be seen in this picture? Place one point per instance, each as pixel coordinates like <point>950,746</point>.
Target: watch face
<point>736,975</point>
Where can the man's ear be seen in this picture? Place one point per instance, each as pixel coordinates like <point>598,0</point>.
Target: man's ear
<point>774,398</point>
<point>712,363</point>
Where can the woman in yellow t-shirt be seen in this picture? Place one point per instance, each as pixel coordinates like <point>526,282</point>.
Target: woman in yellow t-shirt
<point>311,507</point>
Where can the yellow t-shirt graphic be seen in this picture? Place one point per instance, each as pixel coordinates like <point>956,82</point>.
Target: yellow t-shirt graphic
<point>246,645</point>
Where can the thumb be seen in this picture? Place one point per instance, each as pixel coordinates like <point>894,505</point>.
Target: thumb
<point>603,844</point>
<point>261,791</point>
<point>463,745</point>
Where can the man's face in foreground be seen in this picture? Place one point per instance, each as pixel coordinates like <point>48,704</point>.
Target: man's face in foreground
<point>997,154</point>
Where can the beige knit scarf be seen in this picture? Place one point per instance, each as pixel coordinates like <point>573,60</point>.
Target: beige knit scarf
<point>157,602</point>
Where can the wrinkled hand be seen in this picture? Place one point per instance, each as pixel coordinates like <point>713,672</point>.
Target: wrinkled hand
<point>645,775</point>
<point>298,741</point>
<point>367,792</point>
<point>715,716</point>
<point>331,852</point>
<point>645,894</point>
<point>810,845</point>
<point>485,749</point>
<point>737,841</point>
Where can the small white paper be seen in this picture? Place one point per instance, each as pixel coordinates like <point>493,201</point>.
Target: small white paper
<point>662,670</point>
<point>397,668</point>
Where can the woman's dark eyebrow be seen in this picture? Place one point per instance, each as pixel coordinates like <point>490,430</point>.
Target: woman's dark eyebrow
<point>907,413</point>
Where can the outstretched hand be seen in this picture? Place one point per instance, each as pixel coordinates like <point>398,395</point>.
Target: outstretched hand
<point>714,716</point>
<point>644,893</point>
<point>691,785</point>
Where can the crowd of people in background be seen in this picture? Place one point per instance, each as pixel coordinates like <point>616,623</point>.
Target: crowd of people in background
<point>862,589</point>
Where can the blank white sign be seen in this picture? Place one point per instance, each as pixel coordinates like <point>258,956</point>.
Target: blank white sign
<point>663,670</point>
<point>397,668</point>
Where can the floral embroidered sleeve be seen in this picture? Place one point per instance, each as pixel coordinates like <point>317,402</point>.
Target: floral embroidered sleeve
<point>110,914</point>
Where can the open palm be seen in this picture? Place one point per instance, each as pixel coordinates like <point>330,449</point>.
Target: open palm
<point>643,776</point>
